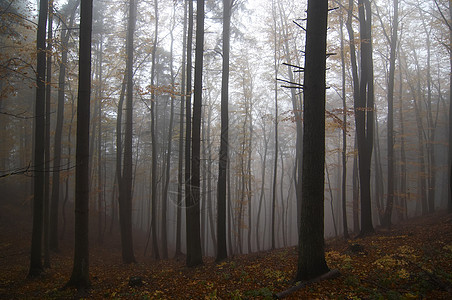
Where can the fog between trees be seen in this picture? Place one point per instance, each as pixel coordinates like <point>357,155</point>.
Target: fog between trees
<point>138,118</point>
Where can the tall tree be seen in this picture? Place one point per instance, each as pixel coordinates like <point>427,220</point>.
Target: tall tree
<point>194,251</point>
<point>125,190</point>
<point>344,133</point>
<point>187,152</point>
<point>311,248</point>
<point>223,159</point>
<point>275,163</point>
<point>55,198</point>
<point>154,140</point>
<point>364,118</point>
<point>390,141</point>
<point>39,134</point>
<point>181,139</point>
<point>80,271</point>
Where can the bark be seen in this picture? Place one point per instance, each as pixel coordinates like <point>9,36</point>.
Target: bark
<point>181,139</point>
<point>311,248</point>
<point>344,135</point>
<point>449,205</point>
<point>125,190</point>
<point>364,107</point>
<point>275,165</point>
<point>168,157</point>
<point>47,137</point>
<point>154,175</point>
<point>223,158</point>
<point>55,198</point>
<point>39,134</point>
<point>194,251</point>
<point>80,271</point>
<point>390,140</point>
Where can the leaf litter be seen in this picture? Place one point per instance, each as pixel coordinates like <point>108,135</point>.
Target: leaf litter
<point>412,260</point>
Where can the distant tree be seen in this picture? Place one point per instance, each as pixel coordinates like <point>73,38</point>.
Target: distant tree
<point>39,136</point>
<point>181,138</point>
<point>80,271</point>
<point>55,198</point>
<point>154,141</point>
<point>311,248</point>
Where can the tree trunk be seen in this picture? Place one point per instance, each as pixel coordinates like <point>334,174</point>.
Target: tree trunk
<point>364,107</point>
<point>47,137</point>
<point>181,140</point>
<point>390,141</point>
<point>153,228</point>
<point>188,120</point>
<point>125,190</point>
<point>311,248</point>
<point>80,271</point>
<point>39,134</point>
<point>55,198</point>
<point>194,251</point>
<point>344,134</point>
<point>223,158</point>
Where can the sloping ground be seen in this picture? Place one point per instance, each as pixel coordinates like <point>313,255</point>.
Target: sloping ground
<point>411,261</point>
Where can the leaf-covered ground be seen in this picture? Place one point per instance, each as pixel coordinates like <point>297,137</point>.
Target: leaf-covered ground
<point>411,261</point>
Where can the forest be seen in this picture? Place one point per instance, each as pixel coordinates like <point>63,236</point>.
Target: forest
<point>233,149</point>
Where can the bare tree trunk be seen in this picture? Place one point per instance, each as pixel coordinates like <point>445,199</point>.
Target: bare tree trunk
<point>188,122</point>
<point>194,251</point>
<point>36,267</point>
<point>125,190</point>
<point>223,158</point>
<point>47,137</point>
<point>55,198</point>
<point>80,271</point>
<point>311,251</point>
<point>344,133</point>
<point>181,139</point>
<point>392,61</point>
<point>275,166</point>
<point>153,228</point>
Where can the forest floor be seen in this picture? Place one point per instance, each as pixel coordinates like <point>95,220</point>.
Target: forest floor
<point>413,260</point>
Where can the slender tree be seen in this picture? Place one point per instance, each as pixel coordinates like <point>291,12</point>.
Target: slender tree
<point>344,133</point>
<point>39,134</point>
<point>390,140</point>
<point>80,271</point>
<point>181,139</point>
<point>311,248</point>
<point>55,198</point>
<point>223,160</point>
<point>154,141</point>
<point>125,194</point>
<point>194,251</point>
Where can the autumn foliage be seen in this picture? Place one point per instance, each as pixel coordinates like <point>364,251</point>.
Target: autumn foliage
<point>411,261</point>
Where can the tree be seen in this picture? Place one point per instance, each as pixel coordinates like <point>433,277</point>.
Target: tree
<point>390,140</point>
<point>364,119</point>
<point>154,141</point>
<point>55,198</point>
<point>80,271</point>
<point>344,133</point>
<point>194,251</point>
<point>223,159</point>
<point>181,138</point>
<point>125,185</point>
<point>38,182</point>
<point>311,248</point>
